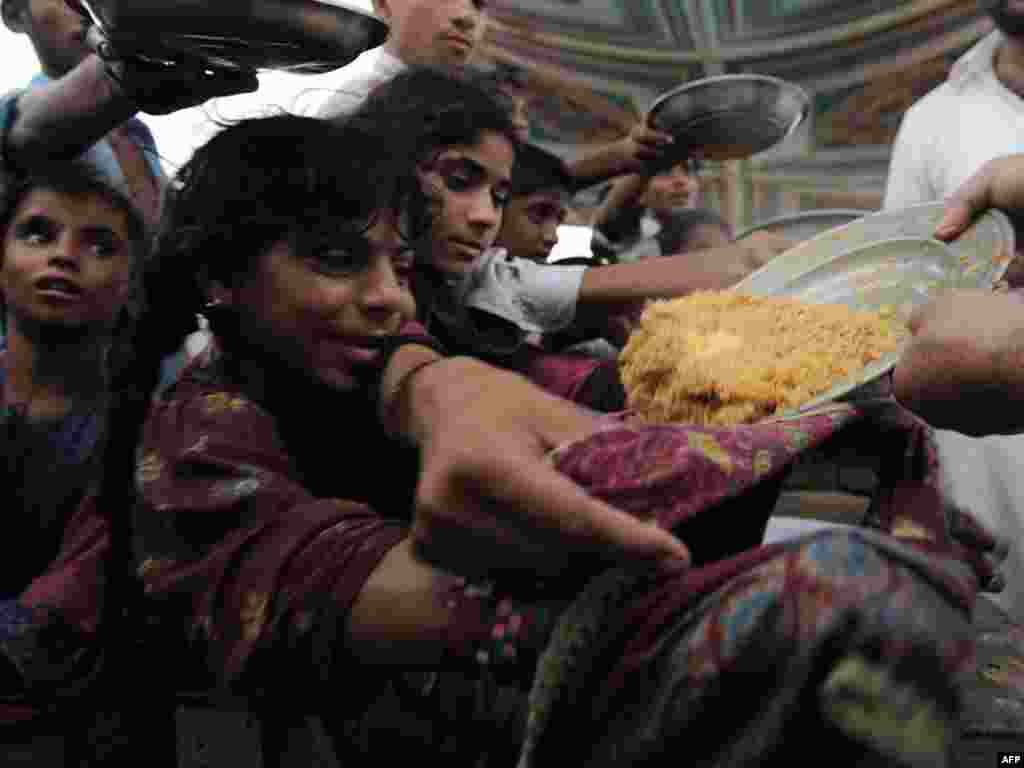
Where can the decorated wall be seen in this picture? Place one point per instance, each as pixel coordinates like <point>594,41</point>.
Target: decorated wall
<point>594,66</point>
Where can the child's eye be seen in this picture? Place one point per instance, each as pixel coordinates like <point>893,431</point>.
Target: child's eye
<point>105,247</point>
<point>35,231</point>
<point>403,266</point>
<point>458,181</point>
<point>501,195</point>
<point>336,262</point>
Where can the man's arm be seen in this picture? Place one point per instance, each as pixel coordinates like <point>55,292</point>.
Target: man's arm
<point>64,118</point>
<point>963,368</point>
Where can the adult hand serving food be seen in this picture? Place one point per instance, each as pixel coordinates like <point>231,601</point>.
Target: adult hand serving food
<point>967,348</point>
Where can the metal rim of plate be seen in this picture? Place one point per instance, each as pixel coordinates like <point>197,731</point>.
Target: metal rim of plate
<point>759,134</point>
<point>849,214</point>
<point>984,252</point>
<point>231,51</point>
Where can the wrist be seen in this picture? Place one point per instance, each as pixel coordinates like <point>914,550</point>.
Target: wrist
<point>423,404</point>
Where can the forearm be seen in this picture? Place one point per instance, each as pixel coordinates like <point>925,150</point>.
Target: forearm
<point>620,213</point>
<point>659,278</point>
<point>963,387</point>
<point>604,163</point>
<point>66,117</point>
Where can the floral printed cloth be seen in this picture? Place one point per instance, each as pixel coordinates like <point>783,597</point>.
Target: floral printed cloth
<point>862,635</point>
<point>256,540</point>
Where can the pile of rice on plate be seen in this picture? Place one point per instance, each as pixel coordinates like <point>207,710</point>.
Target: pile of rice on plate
<point>720,358</point>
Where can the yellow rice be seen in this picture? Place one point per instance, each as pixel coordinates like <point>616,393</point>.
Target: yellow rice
<point>718,357</point>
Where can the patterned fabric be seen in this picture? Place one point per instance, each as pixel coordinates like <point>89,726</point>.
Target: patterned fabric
<point>52,582</point>
<point>258,541</point>
<point>871,624</point>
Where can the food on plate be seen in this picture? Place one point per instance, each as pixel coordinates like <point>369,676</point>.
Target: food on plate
<point>720,357</point>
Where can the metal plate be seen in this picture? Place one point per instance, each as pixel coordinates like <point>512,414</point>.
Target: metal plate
<point>730,117</point>
<point>984,251</point>
<point>886,259</point>
<point>806,224</point>
<point>301,36</point>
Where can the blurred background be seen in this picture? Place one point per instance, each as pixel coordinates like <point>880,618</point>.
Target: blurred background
<point>592,68</point>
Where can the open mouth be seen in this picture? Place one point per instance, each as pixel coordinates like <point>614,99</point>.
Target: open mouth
<point>58,286</point>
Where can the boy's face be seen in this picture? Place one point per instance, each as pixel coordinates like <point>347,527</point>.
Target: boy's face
<point>671,189</point>
<point>328,313</point>
<point>441,33</point>
<point>529,229</point>
<point>67,262</point>
<point>468,188</point>
<point>57,33</point>
<point>518,99</point>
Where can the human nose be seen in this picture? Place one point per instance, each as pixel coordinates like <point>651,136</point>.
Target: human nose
<point>66,252</point>
<point>551,236</point>
<point>483,214</point>
<point>381,294</point>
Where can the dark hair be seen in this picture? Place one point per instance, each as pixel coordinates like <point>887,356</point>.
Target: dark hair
<point>420,112</point>
<point>74,179</point>
<point>253,184</point>
<point>8,8</point>
<point>423,109</point>
<point>675,233</point>
<point>537,169</point>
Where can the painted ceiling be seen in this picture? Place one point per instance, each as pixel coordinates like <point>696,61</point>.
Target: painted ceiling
<point>595,65</point>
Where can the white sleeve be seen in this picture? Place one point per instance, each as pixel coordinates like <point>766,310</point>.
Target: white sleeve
<point>908,183</point>
<point>539,298</point>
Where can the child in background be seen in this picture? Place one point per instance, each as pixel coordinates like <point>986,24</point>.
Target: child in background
<point>70,246</point>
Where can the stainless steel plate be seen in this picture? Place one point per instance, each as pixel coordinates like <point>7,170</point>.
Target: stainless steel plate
<point>806,224</point>
<point>892,276</point>
<point>729,117</point>
<point>984,251</point>
<point>886,260</point>
<point>303,36</point>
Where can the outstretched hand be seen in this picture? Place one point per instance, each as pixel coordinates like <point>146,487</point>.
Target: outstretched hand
<point>489,501</point>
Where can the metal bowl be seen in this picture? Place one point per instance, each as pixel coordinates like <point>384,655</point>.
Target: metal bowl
<point>730,117</point>
<point>303,36</point>
<point>806,224</point>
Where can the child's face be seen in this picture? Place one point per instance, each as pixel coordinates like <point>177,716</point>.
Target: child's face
<point>67,262</point>
<point>57,33</point>
<point>529,228</point>
<point>327,313</point>
<point>519,107</point>
<point>671,189</point>
<point>440,33</point>
<point>468,188</point>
